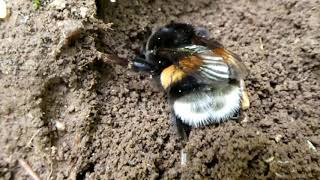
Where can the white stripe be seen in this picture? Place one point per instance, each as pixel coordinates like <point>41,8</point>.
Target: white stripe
<point>208,75</point>
<point>192,47</point>
<point>214,73</point>
<point>221,69</point>
<point>208,103</point>
<point>214,76</point>
<point>211,58</point>
<point>213,63</point>
<point>199,49</point>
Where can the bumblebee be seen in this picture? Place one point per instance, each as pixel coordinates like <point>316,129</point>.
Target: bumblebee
<point>204,81</point>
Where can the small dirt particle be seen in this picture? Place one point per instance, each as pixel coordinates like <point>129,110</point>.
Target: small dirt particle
<point>311,146</point>
<point>269,160</point>
<point>278,138</point>
<point>70,30</point>
<point>71,109</point>
<point>60,126</point>
<point>83,12</point>
<point>4,10</point>
<point>58,4</point>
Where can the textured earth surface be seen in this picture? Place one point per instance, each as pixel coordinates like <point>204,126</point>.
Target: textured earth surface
<point>69,110</point>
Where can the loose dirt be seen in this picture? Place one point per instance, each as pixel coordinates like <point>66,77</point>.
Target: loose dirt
<point>69,111</point>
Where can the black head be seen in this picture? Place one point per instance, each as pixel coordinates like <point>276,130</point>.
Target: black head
<point>173,35</point>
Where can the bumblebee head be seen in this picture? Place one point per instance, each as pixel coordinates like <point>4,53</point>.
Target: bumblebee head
<point>173,35</point>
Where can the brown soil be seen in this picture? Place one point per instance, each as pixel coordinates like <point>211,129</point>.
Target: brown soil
<point>69,111</point>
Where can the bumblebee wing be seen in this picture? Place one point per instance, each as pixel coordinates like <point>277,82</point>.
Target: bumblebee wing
<point>213,67</point>
<point>237,68</point>
<point>187,60</point>
<point>206,65</point>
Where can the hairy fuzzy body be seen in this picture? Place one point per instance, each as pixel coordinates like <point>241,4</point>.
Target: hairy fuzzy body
<point>208,106</point>
<point>203,80</point>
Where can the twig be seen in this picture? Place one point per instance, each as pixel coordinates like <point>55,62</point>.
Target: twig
<point>51,170</point>
<point>112,59</point>
<point>261,44</point>
<point>33,136</point>
<point>28,169</point>
<point>183,157</point>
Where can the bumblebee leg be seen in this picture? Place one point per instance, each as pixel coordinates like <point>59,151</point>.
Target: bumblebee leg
<point>140,64</point>
<point>236,116</point>
<point>245,100</point>
<point>182,129</point>
<point>245,104</point>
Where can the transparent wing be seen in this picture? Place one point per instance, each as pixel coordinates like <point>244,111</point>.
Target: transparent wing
<point>205,64</point>
<point>237,68</point>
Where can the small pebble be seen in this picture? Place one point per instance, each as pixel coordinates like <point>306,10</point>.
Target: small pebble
<point>71,30</point>
<point>269,160</point>
<point>4,11</point>
<point>184,158</point>
<point>245,119</point>
<point>59,4</point>
<point>278,138</point>
<point>71,109</point>
<point>60,126</point>
<point>83,12</point>
<point>311,146</point>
